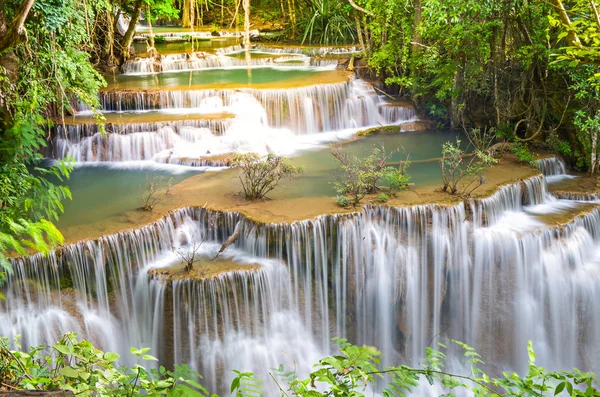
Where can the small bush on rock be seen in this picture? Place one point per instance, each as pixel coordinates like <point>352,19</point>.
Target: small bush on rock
<point>260,175</point>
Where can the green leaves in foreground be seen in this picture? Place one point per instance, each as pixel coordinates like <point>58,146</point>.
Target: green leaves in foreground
<point>353,372</point>
<point>86,371</point>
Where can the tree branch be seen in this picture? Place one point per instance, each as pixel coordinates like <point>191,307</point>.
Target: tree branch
<point>16,32</point>
<point>571,37</point>
<point>359,8</point>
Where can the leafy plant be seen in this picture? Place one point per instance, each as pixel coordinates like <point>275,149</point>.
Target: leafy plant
<point>260,175</point>
<point>462,177</point>
<point>246,385</point>
<point>342,200</point>
<point>359,176</point>
<point>521,150</point>
<point>382,198</point>
<point>79,367</point>
<point>327,22</point>
<point>396,179</point>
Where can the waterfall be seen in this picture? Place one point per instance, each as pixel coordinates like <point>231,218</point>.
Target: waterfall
<point>585,197</point>
<point>396,278</point>
<point>308,51</point>
<point>285,120</point>
<point>312,109</point>
<point>129,147</point>
<point>203,60</point>
<point>551,166</point>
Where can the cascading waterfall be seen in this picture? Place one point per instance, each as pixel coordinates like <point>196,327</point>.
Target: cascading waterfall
<point>309,51</point>
<point>278,119</point>
<point>584,197</point>
<point>202,60</point>
<point>396,278</point>
<point>551,166</point>
<point>129,147</point>
<point>312,109</point>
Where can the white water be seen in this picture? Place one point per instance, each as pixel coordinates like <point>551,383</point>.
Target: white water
<point>265,121</point>
<point>203,60</point>
<point>396,278</point>
<point>308,51</point>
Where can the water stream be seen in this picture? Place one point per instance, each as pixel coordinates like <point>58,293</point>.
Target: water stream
<point>496,272</point>
<point>396,278</point>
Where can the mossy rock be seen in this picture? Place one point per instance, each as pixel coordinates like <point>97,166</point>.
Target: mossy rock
<point>387,129</point>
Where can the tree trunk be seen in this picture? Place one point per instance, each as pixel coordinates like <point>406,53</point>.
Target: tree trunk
<point>152,49</point>
<point>359,34</point>
<point>15,33</point>
<point>107,53</point>
<point>416,42</point>
<point>292,5</point>
<point>128,37</point>
<point>185,18</point>
<point>594,154</point>
<point>247,35</point>
<point>454,112</point>
<point>367,35</point>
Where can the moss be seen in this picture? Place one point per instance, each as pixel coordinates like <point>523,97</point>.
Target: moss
<point>386,129</point>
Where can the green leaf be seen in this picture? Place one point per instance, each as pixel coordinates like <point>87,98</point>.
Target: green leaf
<point>559,388</point>
<point>69,372</point>
<point>111,357</point>
<point>63,349</point>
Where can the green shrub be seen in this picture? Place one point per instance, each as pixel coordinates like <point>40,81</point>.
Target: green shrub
<point>463,173</point>
<point>521,150</point>
<point>260,175</point>
<point>382,198</point>
<point>79,367</point>
<point>396,178</point>
<point>342,200</point>
<point>358,176</point>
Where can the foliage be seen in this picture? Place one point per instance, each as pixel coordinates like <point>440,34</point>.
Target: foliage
<point>396,179</point>
<point>79,367</point>
<point>38,77</point>
<point>462,177</point>
<point>260,175</point>
<point>327,22</point>
<point>342,200</point>
<point>382,198</point>
<point>521,150</point>
<point>353,372</point>
<point>246,385</point>
<point>359,176</point>
<point>355,369</point>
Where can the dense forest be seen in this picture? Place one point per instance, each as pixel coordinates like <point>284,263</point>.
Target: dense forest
<point>525,71</point>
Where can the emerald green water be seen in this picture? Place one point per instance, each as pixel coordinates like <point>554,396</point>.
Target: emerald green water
<point>222,78</point>
<point>320,166</point>
<point>100,193</point>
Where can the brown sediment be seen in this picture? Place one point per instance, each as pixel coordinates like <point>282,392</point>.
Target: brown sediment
<point>139,118</point>
<point>567,215</point>
<point>583,184</point>
<point>202,269</point>
<point>219,191</point>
